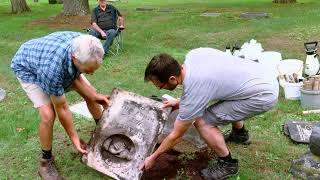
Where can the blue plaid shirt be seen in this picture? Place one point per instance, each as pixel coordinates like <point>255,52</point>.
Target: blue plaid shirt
<point>47,62</point>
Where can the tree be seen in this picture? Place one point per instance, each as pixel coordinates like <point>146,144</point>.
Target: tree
<point>75,7</point>
<point>284,1</point>
<point>19,6</point>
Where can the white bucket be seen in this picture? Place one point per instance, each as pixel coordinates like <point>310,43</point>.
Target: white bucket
<point>270,59</point>
<point>290,66</point>
<point>292,90</point>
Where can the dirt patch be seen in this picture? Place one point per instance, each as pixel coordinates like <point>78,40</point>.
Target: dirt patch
<point>283,43</point>
<point>59,21</point>
<point>174,165</point>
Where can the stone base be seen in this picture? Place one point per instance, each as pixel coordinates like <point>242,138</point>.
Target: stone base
<point>306,167</point>
<point>184,146</point>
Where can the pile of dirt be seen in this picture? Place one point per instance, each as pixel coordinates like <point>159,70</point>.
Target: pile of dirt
<point>170,166</point>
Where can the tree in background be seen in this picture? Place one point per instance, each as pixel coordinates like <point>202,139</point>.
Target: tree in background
<point>284,1</point>
<point>75,7</point>
<point>55,1</point>
<point>19,6</point>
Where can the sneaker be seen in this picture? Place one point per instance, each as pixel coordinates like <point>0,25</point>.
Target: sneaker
<point>48,170</point>
<point>222,170</point>
<point>238,137</point>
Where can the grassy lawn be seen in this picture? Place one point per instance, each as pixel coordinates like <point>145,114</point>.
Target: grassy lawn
<point>147,34</point>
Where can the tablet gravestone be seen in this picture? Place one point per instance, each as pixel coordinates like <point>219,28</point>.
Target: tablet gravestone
<point>308,165</point>
<point>126,134</point>
<point>211,14</point>
<point>254,15</point>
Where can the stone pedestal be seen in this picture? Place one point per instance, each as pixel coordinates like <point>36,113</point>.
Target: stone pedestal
<point>191,136</point>
<point>126,134</point>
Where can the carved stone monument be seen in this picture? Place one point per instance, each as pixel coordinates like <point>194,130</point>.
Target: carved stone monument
<point>308,165</point>
<point>126,134</point>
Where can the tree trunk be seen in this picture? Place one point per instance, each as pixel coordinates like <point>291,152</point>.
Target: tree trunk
<point>52,2</point>
<point>75,7</point>
<point>19,6</point>
<point>284,1</point>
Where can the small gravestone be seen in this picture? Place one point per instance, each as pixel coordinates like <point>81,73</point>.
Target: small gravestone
<point>306,167</point>
<point>211,14</point>
<point>298,131</point>
<point>125,135</point>
<point>254,15</point>
<point>145,9</point>
<point>2,94</point>
<point>166,10</point>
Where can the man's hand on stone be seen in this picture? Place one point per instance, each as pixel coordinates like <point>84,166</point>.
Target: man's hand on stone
<point>102,100</point>
<point>171,103</point>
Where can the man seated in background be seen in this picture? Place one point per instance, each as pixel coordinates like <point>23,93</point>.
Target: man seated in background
<point>104,23</point>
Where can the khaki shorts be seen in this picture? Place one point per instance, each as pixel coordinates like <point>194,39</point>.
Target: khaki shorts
<point>38,96</point>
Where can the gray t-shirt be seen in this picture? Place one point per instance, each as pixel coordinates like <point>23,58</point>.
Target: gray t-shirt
<point>213,75</point>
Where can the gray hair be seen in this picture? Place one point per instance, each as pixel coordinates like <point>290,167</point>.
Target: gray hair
<point>87,48</point>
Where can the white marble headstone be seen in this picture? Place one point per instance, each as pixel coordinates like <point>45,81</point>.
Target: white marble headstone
<point>125,135</point>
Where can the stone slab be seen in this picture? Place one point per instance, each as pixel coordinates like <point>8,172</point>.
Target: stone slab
<point>126,134</point>
<point>166,10</point>
<point>314,143</point>
<point>211,14</point>
<point>145,9</point>
<point>2,94</point>
<point>306,167</point>
<point>81,109</point>
<point>298,131</point>
<point>254,15</point>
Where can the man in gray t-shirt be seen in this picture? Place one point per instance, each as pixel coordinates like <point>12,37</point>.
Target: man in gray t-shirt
<point>240,89</point>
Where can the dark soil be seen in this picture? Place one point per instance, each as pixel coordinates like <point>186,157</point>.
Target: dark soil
<point>168,166</point>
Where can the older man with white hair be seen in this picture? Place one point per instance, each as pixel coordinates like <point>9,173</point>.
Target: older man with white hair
<point>48,67</point>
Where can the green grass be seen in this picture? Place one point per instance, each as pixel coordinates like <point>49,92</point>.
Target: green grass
<point>147,34</point>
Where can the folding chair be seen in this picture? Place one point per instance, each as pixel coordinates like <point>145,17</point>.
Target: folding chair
<point>117,44</point>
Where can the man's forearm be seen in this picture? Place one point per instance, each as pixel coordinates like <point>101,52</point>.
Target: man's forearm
<point>83,88</point>
<point>169,142</point>
<point>65,118</point>
<point>96,27</point>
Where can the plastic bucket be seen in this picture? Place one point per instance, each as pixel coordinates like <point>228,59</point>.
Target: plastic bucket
<point>270,59</point>
<point>290,66</point>
<point>310,99</point>
<point>292,90</point>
